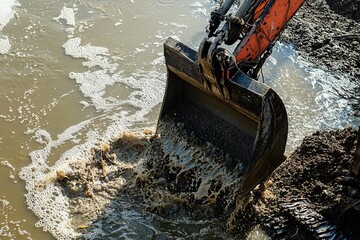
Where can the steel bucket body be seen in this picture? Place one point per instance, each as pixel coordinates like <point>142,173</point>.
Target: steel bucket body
<point>250,124</point>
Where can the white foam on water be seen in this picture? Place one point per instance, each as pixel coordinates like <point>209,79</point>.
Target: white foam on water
<point>4,224</point>
<point>146,88</point>
<point>93,85</point>
<point>44,197</point>
<point>67,14</point>
<point>95,56</point>
<point>145,85</point>
<point>6,14</point>
<point>199,8</point>
<point>146,92</point>
<point>4,44</point>
<point>6,11</point>
<point>120,22</point>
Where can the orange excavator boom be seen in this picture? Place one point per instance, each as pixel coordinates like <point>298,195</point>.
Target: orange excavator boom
<point>269,19</point>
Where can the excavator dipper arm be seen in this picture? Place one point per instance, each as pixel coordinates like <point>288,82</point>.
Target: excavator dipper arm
<point>256,24</point>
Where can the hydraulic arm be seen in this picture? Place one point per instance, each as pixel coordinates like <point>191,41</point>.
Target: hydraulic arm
<point>254,28</point>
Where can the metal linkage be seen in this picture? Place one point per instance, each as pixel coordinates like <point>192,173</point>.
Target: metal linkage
<point>214,61</point>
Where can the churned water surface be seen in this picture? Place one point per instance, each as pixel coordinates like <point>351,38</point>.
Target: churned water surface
<point>75,74</point>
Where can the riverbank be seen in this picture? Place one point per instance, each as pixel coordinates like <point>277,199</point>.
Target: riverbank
<point>314,193</point>
<point>319,173</point>
<point>327,33</point>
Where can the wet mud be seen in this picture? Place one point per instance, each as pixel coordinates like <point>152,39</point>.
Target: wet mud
<point>316,181</point>
<point>146,186</point>
<point>327,33</point>
<point>173,184</point>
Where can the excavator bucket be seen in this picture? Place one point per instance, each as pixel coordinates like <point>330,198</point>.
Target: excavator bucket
<point>250,124</point>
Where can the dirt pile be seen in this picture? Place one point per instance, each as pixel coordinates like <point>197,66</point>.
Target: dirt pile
<point>319,173</point>
<point>327,33</point>
<point>320,169</point>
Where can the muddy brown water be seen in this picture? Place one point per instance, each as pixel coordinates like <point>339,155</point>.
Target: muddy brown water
<point>75,74</point>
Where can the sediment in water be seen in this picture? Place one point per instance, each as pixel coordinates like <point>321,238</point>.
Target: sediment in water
<point>174,184</point>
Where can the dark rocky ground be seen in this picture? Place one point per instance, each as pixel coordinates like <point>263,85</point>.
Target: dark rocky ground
<point>314,194</point>
<point>319,174</point>
<point>327,33</point>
